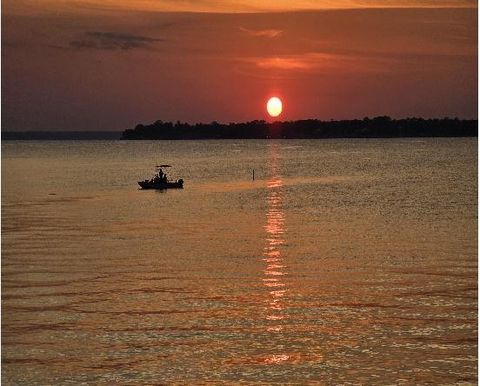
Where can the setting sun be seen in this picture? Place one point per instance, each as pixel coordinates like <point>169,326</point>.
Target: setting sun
<point>274,106</point>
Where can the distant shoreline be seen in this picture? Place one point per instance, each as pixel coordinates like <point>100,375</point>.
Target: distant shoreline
<point>379,127</point>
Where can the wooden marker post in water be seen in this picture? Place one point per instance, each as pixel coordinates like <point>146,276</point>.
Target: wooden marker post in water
<point>253,174</point>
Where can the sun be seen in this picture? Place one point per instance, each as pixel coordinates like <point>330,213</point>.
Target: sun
<point>274,106</point>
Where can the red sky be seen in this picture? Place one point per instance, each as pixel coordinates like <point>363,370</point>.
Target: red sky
<point>108,65</point>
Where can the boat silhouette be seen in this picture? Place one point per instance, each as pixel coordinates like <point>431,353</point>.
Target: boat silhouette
<point>160,180</point>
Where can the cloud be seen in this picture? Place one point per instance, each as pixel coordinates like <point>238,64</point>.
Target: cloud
<point>323,62</point>
<point>285,63</point>
<point>112,41</point>
<point>269,33</point>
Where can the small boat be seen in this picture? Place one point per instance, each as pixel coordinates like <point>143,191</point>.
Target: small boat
<point>160,180</point>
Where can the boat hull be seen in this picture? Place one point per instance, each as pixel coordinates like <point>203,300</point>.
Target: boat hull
<point>161,185</point>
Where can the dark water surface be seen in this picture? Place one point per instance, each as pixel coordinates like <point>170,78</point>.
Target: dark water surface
<point>344,262</point>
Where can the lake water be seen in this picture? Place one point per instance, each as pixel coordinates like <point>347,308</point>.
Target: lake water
<point>344,262</point>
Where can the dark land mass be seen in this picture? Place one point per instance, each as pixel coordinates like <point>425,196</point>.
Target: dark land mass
<point>379,127</point>
<point>60,135</point>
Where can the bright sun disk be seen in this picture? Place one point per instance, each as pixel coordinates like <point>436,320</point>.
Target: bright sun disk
<point>274,106</point>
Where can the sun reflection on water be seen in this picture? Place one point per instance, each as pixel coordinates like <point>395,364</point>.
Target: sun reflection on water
<point>275,269</point>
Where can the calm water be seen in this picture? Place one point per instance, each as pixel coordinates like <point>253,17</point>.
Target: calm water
<point>344,262</point>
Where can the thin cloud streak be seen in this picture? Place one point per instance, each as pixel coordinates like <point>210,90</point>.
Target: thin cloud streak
<point>112,41</point>
<point>269,33</point>
<point>316,62</point>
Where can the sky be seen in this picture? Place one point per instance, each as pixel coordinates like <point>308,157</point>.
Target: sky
<point>109,65</point>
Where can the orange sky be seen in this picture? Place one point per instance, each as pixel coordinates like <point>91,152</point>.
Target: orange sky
<point>91,65</point>
<point>222,6</point>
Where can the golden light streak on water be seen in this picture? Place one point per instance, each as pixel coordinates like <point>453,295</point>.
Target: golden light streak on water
<point>275,238</point>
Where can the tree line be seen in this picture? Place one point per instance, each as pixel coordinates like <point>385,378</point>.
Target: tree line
<point>378,127</point>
